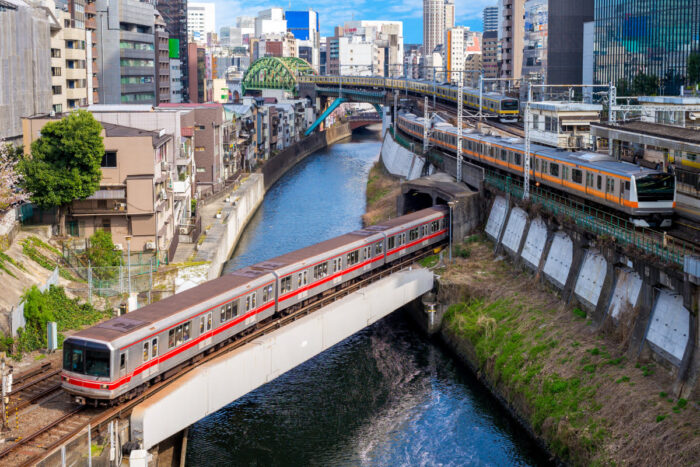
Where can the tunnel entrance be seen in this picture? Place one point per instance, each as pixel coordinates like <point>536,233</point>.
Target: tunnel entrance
<point>414,200</point>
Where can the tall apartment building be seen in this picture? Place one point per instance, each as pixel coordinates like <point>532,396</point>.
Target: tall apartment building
<point>126,29</point>
<point>535,39</point>
<point>385,39</point>
<point>174,14</point>
<point>489,54</point>
<point>162,46</point>
<point>70,74</point>
<point>490,18</point>
<point>25,65</point>
<point>511,38</point>
<point>433,24</point>
<point>201,19</point>
<point>449,14</point>
<point>460,44</point>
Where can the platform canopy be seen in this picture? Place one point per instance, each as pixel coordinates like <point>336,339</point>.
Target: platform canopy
<point>275,73</point>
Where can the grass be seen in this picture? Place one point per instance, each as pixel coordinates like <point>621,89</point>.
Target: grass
<point>517,359</point>
<point>4,260</point>
<point>382,190</point>
<point>579,313</point>
<point>429,261</point>
<point>39,251</point>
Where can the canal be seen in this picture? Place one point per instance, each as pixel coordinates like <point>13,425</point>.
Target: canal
<point>385,396</point>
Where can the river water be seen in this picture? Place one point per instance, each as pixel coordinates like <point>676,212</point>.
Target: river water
<point>385,396</point>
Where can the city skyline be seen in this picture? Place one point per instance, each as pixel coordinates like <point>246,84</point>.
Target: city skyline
<point>467,13</point>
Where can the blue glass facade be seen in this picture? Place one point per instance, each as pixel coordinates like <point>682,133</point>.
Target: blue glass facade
<point>300,23</point>
<point>653,37</point>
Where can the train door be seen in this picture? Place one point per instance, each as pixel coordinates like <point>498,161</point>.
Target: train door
<point>123,360</point>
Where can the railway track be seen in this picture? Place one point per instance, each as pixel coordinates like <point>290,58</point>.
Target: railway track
<point>31,449</point>
<point>32,389</point>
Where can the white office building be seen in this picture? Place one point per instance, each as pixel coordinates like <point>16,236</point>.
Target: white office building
<point>201,20</point>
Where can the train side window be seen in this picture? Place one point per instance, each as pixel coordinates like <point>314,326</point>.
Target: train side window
<point>378,248</point>
<point>234,309</point>
<point>146,353</point>
<point>412,234</point>
<point>565,173</point>
<point>504,155</point>
<point>122,361</point>
<point>554,169</point>
<point>600,182</point>
<point>305,278</point>
<point>229,312</point>
<point>299,278</point>
<point>223,314</point>
<point>154,347</point>
<point>178,335</point>
<point>171,337</point>
<point>270,295</point>
<point>186,331</point>
<point>576,176</point>
<point>201,325</point>
<point>252,300</point>
<point>247,303</point>
<point>627,186</point>
<point>208,321</point>
<point>516,158</point>
<point>264,294</point>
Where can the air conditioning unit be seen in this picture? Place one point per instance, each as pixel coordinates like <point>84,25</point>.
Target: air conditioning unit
<point>183,231</point>
<point>118,247</point>
<point>150,246</point>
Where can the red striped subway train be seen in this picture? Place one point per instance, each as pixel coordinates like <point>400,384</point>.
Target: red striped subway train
<point>117,359</point>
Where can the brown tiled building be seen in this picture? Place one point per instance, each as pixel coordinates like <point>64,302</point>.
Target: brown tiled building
<point>132,199</point>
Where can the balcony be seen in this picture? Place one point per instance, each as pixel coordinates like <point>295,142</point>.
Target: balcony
<point>183,188</point>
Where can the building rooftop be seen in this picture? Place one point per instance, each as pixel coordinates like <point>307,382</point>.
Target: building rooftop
<point>655,129</point>
<point>189,106</point>
<point>119,131</point>
<point>120,108</point>
<point>671,100</point>
<point>557,106</point>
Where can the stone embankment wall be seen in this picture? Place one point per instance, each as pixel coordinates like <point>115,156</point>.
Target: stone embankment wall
<point>399,161</point>
<point>655,304</point>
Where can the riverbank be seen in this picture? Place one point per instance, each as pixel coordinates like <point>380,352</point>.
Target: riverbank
<point>570,384</point>
<point>382,190</point>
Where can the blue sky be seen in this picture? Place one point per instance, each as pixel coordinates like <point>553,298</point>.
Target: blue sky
<point>335,12</point>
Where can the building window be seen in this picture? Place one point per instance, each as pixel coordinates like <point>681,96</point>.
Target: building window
<point>109,160</point>
<point>56,90</point>
<point>136,62</point>
<point>55,71</point>
<point>55,53</point>
<point>58,108</point>
<point>135,45</point>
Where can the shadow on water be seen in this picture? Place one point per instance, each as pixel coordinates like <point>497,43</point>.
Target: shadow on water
<point>385,396</point>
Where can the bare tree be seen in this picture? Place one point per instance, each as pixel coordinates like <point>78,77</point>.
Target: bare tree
<point>11,192</point>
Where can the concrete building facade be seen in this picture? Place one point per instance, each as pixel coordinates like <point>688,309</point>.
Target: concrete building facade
<point>511,38</point>
<point>565,44</point>
<point>490,19</point>
<point>489,54</point>
<point>162,46</point>
<point>174,13</point>
<point>201,19</point>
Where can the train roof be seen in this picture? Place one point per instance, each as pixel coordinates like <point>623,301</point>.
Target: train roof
<point>115,328</point>
<point>581,158</point>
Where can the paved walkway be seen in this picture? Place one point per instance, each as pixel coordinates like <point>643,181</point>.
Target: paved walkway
<point>186,251</point>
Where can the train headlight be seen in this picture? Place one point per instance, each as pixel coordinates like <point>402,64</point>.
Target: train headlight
<point>104,386</point>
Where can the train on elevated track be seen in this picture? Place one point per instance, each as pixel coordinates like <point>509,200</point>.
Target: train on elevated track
<point>117,359</point>
<point>492,103</point>
<point>646,197</point>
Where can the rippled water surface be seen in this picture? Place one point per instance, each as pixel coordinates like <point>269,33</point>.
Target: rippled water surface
<point>385,396</point>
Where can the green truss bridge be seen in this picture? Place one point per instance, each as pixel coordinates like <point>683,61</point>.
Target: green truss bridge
<point>275,73</point>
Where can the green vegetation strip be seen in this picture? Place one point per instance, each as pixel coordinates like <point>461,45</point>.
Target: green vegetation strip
<point>560,407</point>
<point>38,251</point>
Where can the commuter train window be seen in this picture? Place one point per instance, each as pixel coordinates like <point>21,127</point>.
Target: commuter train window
<point>201,325</point>
<point>504,155</point>
<point>252,300</point>
<point>412,234</point>
<point>391,242</point>
<point>247,303</point>
<point>600,182</point>
<point>576,176</point>
<point>565,173</point>
<point>229,311</point>
<point>554,169</point>
<point>146,353</point>
<point>378,247</point>
<point>516,158</point>
<point>171,337</point>
<point>154,347</point>
<point>304,275</point>
<point>286,284</point>
<point>223,314</point>
<point>178,335</point>
<point>186,331</point>
<point>122,361</point>
<point>627,186</point>
<point>264,294</point>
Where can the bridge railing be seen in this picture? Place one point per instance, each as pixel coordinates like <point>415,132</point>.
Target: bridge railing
<point>599,222</point>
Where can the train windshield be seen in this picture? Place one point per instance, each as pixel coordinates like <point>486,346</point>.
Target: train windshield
<point>509,104</point>
<point>87,358</point>
<point>656,187</point>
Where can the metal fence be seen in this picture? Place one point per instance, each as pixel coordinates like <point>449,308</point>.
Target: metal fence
<point>111,281</point>
<point>599,222</point>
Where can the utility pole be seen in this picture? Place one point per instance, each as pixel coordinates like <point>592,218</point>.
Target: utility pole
<point>460,105</point>
<point>395,117</point>
<point>426,121</point>
<point>481,97</point>
<point>612,102</point>
<point>526,165</point>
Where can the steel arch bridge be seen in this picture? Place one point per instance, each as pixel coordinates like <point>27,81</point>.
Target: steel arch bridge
<point>275,73</point>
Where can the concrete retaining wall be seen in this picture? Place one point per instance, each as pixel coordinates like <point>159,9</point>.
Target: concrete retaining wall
<point>399,161</point>
<point>651,301</point>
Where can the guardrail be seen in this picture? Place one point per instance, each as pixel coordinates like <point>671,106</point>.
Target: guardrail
<point>670,250</point>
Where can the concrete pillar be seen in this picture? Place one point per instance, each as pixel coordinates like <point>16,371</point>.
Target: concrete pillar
<point>579,254</point>
<point>608,289</point>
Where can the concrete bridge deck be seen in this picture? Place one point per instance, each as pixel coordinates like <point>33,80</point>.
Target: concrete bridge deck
<point>219,382</point>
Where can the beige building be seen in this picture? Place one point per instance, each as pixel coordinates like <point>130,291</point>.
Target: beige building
<point>511,38</point>
<point>133,200</point>
<point>69,62</point>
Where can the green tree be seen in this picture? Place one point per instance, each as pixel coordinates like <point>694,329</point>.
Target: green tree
<point>693,71</point>
<point>645,85</point>
<point>65,163</point>
<point>102,255</point>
